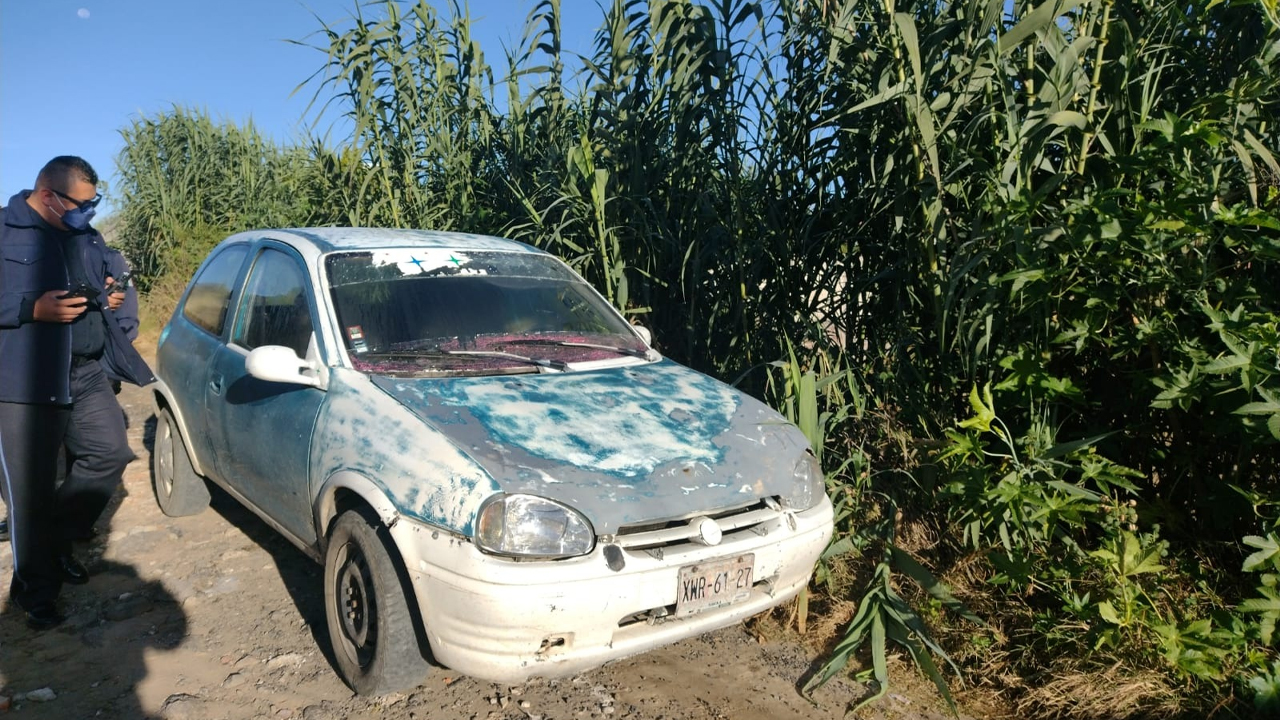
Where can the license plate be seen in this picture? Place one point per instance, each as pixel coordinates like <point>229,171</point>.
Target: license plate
<point>714,584</point>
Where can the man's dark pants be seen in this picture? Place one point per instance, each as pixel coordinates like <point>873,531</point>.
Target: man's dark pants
<point>30,436</point>
<point>43,521</point>
<point>98,441</point>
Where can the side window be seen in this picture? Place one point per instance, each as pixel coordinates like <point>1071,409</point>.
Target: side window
<point>274,309</point>
<point>206,304</point>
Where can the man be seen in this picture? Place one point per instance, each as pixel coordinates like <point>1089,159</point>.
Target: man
<point>53,389</point>
<point>117,268</point>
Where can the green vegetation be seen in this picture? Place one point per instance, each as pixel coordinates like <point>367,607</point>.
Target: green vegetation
<point>1014,273</point>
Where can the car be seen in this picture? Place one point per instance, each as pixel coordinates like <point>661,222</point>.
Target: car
<point>498,472</point>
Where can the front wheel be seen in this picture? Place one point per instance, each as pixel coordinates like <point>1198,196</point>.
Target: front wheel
<point>370,625</point>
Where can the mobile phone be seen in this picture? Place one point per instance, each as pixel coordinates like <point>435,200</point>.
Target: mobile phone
<point>121,283</point>
<point>81,291</point>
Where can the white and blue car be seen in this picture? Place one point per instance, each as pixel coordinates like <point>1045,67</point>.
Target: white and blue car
<point>498,472</point>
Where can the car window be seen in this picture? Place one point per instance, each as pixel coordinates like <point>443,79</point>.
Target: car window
<point>206,305</point>
<point>274,309</point>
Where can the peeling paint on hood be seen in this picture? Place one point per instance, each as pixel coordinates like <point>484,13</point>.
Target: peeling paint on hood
<point>625,422</point>
<point>622,445</point>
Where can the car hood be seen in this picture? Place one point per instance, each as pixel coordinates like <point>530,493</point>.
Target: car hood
<point>623,445</point>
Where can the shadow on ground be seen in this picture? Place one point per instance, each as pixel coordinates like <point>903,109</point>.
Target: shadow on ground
<point>113,623</point>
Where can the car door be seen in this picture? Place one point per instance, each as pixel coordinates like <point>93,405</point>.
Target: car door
<point>261,431</point>
<point>192,339</point>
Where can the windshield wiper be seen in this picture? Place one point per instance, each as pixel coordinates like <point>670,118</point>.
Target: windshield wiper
<point>595,346</point>
<point>436,353</point>
<point>540,362</point>
<point>423,353</point>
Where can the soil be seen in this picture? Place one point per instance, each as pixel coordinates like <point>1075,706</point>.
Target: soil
<point>216,616</point>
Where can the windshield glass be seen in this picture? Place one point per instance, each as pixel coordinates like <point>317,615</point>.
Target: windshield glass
<point>432,311</point>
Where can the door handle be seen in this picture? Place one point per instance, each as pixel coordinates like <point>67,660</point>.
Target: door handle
<point>215,384</point>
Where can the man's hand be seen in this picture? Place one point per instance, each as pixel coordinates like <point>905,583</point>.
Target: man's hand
<point>115,298</point>
<point>49,308</point>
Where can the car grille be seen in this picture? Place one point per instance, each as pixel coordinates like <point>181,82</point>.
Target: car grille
<point>680,540</point>
<point>657,538</point>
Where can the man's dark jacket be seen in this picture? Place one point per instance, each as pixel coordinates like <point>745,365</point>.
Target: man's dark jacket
<point>35,357</point>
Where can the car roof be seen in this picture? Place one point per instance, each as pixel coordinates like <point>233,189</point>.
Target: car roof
<point>322,240</point>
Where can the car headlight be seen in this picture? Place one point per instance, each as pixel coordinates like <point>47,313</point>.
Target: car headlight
<point>808,485</point>
<point>530,526</point>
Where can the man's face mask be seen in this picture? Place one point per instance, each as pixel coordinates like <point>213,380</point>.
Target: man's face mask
<point>77,217</point>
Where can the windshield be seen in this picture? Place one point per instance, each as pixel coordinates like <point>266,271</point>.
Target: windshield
<point>432,311</point>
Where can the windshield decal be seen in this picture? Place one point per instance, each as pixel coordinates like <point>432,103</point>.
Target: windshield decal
<point>424,260</point>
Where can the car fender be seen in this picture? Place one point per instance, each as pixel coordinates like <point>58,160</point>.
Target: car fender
<point>410,468</point>
<point>326,505</point>
<point>162,397</point>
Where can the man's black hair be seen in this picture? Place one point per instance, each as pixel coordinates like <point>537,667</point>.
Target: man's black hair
<point>60,172</point>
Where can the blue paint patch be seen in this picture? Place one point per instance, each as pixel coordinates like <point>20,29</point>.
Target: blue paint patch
<point>422,472</point>
<point>672,442</point>
<point>624,422</point>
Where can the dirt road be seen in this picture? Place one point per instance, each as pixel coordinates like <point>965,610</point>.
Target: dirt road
<point>215,616</point>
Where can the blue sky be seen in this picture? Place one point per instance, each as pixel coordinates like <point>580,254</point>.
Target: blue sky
<point>73,73</point>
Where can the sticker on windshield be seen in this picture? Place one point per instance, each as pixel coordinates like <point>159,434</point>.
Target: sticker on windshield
<point>355,332</point>
<point>422,260</point>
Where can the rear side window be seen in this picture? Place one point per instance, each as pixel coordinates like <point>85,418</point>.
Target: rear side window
<point>206,304</point>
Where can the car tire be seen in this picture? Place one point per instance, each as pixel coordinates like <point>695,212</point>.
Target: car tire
<point>179,490</point>
<point>371,627</point>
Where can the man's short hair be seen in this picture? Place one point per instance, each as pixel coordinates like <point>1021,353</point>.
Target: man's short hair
<point>60,172</point>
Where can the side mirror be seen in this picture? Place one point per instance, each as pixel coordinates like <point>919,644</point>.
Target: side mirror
<point>644,334</point>
<point>277,363</point>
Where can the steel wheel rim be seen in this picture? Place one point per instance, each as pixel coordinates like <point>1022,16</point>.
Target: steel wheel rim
<point>354,604</point>
<point>164,454</point>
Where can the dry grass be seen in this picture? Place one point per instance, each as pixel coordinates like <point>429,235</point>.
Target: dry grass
<point>824,627</point>
<point>827,621</point>
<point>1072,692</point>
<point>916,537</point>
<point>155,308</point>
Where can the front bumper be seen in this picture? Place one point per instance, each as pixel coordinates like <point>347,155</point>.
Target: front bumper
<point>506,621</point>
